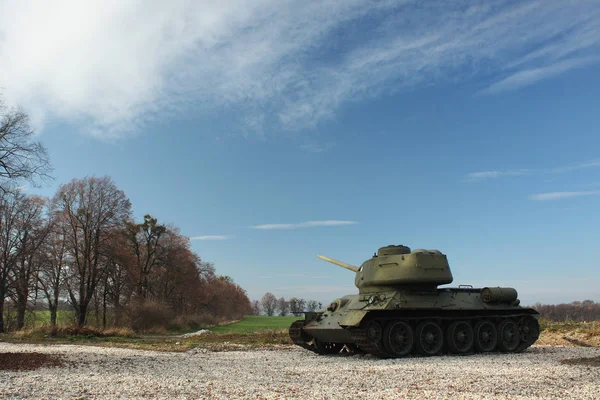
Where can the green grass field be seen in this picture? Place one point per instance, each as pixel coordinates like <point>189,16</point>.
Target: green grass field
<point>255,323</point>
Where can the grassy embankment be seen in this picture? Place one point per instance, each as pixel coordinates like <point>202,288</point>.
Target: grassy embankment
<point>256,323</point>
<point>251,332</point>
<point>570,333</point>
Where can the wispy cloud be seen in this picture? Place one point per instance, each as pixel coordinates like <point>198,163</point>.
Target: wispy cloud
<point>562,195</point>
<point>307,224</point>
<point>314,147</point>
<point>211,237</point>
<point>479,176</point>
<point>483,175</point>
<point>574,167</point>
<point>533,75</point>
<point>116,65</point>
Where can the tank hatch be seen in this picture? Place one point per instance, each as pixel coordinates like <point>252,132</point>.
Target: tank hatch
<point>392,250</point>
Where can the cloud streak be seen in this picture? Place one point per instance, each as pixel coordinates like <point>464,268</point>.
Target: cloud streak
<point>314,147</point>
<point>562,195</point>
<point>116,65</point>
<point>211,237</point>
<point>484,175</point>
<point>479,176</point>
<point>307,224</point>
<point>530,76</point>
<point>575,167</point>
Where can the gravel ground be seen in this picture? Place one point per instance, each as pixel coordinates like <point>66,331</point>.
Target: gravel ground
<point>98,372</point>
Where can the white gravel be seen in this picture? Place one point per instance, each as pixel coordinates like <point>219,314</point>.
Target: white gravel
<point>197,333</point>
<point>99,373</point>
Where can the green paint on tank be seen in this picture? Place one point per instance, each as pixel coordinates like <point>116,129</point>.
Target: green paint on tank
<point>399,311</point>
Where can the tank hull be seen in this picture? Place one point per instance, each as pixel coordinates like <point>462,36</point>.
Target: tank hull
<point>400,323</point>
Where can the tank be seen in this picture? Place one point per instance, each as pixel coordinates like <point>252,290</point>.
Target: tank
<point>400,311</point>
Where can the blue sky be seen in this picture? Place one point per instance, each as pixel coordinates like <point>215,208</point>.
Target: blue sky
<point>271,131</point>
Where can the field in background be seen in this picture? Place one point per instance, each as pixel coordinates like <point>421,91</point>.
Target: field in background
<point>255,323</point>
<point>39,318</point>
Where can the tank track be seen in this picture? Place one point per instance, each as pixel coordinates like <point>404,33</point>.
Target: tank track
<point>297,336</point>
<point>361,338</point>
<point>371,342</point>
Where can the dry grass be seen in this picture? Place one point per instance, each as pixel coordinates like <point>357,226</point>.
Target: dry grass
<point>570,334</point>
<point>47,331</point>
<point>125,338</point>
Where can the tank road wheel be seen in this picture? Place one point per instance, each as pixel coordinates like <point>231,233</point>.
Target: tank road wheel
<point>327,347</point>
<point>398,339</point>
<point>430,338</point>
<point>486,336</point>
<point>509,336</point>
<point>459,337</point>
<point>374,332</point>
<point>530,330</point>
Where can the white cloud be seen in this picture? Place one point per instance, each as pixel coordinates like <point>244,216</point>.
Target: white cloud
<point>531,76</point>
<point>479,176</point>
<point>211,237</point>
<point>307,224</point>
<point>562,195</point>
<point>569,168</point>
<point>483,175</point>
<point>114,65</point>
<point>314,147</point>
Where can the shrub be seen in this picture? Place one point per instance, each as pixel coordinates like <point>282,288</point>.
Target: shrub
<point>149,315</point>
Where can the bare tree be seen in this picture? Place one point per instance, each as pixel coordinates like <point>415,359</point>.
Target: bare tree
<point>256,307</point>
<point>11,202</point>
<point>21,158</point>
<point>91,209</point>
<point>283,306</point>
<point>146,244</point>
<point>32,232</point>
<point>297,305</point>
<point>312,305</point>
<point>269,303</point>
<point>118,285</point>
<point>54,261</point>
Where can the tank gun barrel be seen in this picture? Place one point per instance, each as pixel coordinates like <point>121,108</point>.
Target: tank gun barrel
<point>341,264</point>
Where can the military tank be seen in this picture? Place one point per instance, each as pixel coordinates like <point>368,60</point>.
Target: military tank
<point>400,311</point>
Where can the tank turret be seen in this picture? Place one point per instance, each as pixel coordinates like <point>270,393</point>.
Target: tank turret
<point>400,310</point>
<point>398,268</point>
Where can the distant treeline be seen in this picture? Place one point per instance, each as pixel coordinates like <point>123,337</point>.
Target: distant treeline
<point>580,311</point>
<point>83,247</point>
<point>270,305</point>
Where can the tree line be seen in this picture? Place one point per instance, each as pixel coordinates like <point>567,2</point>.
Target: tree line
<point>579,311</point>
<point>82,247</point>
<point>270,305</point>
